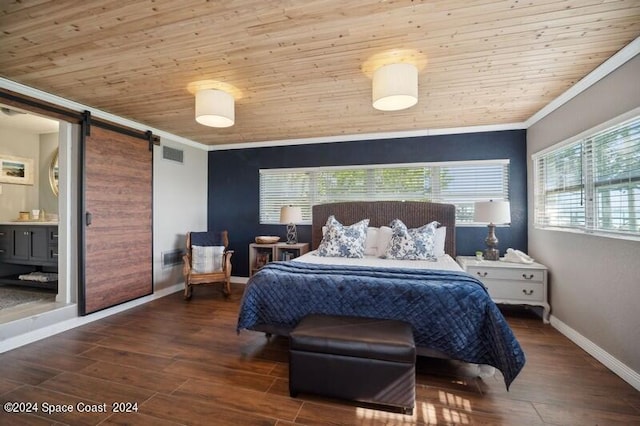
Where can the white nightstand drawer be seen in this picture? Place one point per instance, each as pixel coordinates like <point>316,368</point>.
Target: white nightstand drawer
<point>507,274</point>
<point>511,283</point>
<point>525,291</point>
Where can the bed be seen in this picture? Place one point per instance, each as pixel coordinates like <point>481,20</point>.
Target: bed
<point>451,313</point>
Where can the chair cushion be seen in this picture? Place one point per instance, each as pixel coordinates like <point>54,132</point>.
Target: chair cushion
<point>206,259</point>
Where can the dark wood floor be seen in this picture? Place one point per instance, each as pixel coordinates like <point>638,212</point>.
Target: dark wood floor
<point>183,363</point>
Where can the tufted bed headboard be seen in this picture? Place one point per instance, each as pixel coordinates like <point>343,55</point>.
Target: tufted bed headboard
<point>380,213</point>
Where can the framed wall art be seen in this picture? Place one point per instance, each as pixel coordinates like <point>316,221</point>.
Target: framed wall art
<point>16,170</point>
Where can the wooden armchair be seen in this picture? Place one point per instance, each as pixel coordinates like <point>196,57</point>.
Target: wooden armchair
<point>220,275</point>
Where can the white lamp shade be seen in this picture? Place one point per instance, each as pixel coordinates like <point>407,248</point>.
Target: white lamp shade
<point>395,87</point>
<point>215,108</point>
<point>492,212</point>
<point>290,214</point>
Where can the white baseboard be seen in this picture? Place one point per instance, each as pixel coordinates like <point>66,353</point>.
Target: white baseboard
<point>239,280</point>
<point>35,334</point>
<point>612,363</point>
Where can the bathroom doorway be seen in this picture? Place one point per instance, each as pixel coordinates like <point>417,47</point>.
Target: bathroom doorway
<point>30,231</point>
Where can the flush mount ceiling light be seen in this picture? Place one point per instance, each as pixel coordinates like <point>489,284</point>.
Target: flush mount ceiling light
<point>395,87</point>
<point>215,108</point>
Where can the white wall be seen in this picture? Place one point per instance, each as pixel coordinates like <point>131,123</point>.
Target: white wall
<point>16,198</point>
<point>179,206</point>
<point>48,201</point>
<point>69,147</point>
<point>594,281</point>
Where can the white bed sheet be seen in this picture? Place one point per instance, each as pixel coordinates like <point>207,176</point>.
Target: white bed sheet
<point>445,262</point>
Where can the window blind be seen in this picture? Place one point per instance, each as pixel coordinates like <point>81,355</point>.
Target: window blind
<point>615,159</point>
<point>561,201</point>
<point>592,184</point>
<point>459,183</point>
<point>282,189</point>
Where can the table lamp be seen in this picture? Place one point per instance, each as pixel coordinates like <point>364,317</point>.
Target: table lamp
<point>290,215</point>
<point>492,212</point>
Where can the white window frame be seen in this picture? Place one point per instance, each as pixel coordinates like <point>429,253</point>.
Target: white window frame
<point>269,206</point>
<point>588,183</point>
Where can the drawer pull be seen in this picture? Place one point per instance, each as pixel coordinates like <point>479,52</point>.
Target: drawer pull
<point>527,292</point>
<point>1,251</point>
<point>1,234</point>
<point>54,236</point>
<point>529,277</point>
<point>481,274</point>
<point>54,254</point>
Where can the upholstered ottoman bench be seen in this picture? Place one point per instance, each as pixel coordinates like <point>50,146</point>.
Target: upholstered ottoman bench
<point>361,359</point>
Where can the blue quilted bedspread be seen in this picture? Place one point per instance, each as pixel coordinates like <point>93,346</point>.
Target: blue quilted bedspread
<point>449,311</point>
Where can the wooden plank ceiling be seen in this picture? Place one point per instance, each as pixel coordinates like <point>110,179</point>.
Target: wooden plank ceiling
<point>303,68</point>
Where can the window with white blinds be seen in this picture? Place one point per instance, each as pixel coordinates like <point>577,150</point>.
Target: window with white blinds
<point>460,183</point>
<point>591,184</point>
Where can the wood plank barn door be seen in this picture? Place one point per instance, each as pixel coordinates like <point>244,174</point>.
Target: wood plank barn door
<point>116,263</point>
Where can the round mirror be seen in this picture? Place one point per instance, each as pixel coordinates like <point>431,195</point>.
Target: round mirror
<point>53,173</point>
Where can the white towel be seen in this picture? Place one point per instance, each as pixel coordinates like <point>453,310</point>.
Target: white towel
<point>516,256</point>
<point>42,277</point>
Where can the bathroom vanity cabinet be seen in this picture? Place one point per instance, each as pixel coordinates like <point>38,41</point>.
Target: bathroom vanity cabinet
<point>28,246</point>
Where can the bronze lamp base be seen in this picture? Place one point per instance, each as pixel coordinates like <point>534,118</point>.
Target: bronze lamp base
<point>492,252</point>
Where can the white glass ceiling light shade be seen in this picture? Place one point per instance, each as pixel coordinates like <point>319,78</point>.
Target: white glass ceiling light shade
<point>395,87</point>
<point>215,108</point>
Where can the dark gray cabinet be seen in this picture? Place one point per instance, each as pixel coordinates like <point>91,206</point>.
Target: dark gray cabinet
<point>29,244</point>
<point>4,243</point>
<point>25,249</point>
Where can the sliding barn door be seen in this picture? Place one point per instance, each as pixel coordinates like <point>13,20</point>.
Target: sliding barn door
<point>117,216</point>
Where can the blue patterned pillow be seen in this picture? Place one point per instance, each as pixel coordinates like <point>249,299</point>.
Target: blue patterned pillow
<point>412,244</point>
<point>343,241</point>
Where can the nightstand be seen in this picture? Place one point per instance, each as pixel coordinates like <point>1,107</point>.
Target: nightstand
<point>511,283</point>
<point>261,254</point>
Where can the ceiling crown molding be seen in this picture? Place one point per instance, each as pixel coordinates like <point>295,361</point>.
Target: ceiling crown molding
<point>607,67</point>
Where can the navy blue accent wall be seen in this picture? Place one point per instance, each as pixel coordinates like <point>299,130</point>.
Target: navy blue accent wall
<point>233,194</point>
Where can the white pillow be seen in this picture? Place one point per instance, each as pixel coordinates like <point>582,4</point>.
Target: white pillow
<point>371,243</point>
<point>438,246</point>
<point>384,237</point>
<point>206,259</point>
